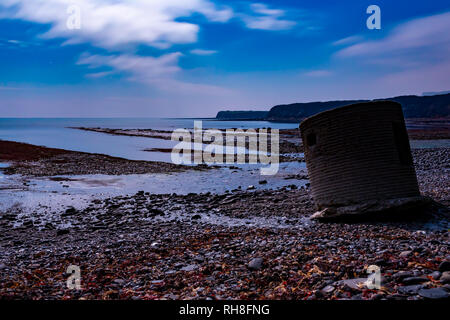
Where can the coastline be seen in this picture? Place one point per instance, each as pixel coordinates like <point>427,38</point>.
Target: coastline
<point>254,244</point>
<point>32,160</point>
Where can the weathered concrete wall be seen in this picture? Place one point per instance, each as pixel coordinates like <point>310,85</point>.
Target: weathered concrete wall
<point>359,153</point>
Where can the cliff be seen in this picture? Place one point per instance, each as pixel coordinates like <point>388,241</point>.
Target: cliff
<point>242,115</point>
<point>413,107</point>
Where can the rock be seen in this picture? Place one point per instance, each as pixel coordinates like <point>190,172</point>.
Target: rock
<point>399,276</point>
<point>377,296</point>
<point>251,187</point>
<point>356,284</point>
<point>262,181</point>
<point>199,259</point>
<point>414,280</point>
<point>119,281</point>
<point>418,249</point>
<point>255,264</point>
<point>328,289</point>
<point>445,278</point>
<point>61,232</point>
<point>444,266</point>
<point>404,254</point>
<point>381,262</point>
<point>436,275</point>
<point>413,289</point>
<point>70,211</point>
<point>434,293</point>
<point>189,268</point>
<point>155,212</point>
<point>169,272</point>
<point>196,217</point>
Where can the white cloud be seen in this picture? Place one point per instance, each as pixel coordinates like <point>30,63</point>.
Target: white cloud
<point>413,57</point>
<point>429,32</point>
<point>102,74</point>
<point>142,69</point>
<point>120,26</point>
<point>155,71</point>
<point>203,52</point>
<point>347,40</point>
<point>265,10</point>
<point>111,24</point>
<point>12,43</point>
<point>266,18</point>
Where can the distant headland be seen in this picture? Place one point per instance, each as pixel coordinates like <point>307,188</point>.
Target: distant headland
<point>430,106</point>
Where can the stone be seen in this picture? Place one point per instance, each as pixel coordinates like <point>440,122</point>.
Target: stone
<point>356,284</point>
<point>436,275</point>
<point>255,264</point>
<point>445,278</point>
<point>444,266</point>
<point>328,289</point>
<point>119,281</point>
<point>413,289</point>
<point>434,293</point>
<point>404,254</point>
<point>70,211</point>
<point>402,274</point>
<point>189,268</point>
<point>155,212</point>
<point>61,232</point>
<point>414,280</point>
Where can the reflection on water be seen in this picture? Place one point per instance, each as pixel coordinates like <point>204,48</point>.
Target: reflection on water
<point>56,193</point>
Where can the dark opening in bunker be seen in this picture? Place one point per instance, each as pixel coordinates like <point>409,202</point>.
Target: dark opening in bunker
<point>311,139</point>
<point>402,143</point>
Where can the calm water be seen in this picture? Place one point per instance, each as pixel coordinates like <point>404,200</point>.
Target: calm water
<point>39,197</point>
<point>56,134</point>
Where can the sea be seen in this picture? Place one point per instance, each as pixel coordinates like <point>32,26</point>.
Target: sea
<point>43,196</point>
<point>57,133</point>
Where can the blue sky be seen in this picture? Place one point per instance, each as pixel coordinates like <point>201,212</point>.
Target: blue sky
<point>188,58</point>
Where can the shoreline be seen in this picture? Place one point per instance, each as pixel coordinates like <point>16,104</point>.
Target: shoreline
<point>31,160</point>
<point>254,244</point>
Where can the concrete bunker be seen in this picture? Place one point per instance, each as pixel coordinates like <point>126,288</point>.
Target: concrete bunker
<point>359,160</point>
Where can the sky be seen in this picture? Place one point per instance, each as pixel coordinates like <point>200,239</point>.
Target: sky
<point>193,58</point>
